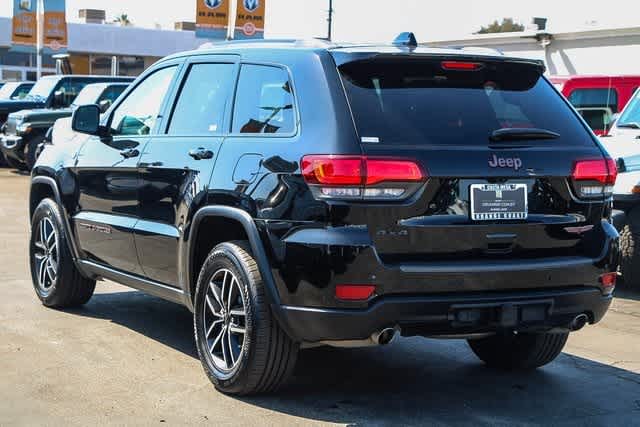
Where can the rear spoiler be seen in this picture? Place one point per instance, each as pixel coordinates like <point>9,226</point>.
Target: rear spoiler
<point>342,58</point>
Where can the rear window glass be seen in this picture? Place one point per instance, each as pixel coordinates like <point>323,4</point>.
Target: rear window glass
<point>417,101</point>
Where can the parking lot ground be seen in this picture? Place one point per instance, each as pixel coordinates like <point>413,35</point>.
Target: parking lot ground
<point>127,358</point>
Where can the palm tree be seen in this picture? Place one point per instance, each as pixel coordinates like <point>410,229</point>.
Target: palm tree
<point>123,20</point>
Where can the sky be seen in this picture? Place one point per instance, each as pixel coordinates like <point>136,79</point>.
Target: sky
<point>379,20</point>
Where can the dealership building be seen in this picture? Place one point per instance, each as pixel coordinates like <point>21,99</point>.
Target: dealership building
<point>99,48</point>
<point>96,47</point>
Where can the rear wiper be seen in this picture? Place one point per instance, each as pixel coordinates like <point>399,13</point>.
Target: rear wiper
<point>633,125</point>
<point>519,134</point>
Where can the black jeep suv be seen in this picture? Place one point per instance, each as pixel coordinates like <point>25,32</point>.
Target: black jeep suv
<point>295,194</point>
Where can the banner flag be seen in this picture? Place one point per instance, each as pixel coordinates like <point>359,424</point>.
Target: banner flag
<point>55,27</point>
<point>250,19</point>
<point>25,21</point>
<point>212,19</point>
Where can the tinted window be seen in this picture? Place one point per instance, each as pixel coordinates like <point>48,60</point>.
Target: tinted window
<point>138,113</point>
<point>400,101</point>
<point>264,101</point>
<point>591,98</point>
<point>111,93</point>
<point>22,91</point>
<point>631,113</point>
<point>202,100</point>
<point>69,89</point>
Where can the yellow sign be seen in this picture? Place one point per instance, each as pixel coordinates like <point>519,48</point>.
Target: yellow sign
<point>250,19</point>
<point>212,18</point>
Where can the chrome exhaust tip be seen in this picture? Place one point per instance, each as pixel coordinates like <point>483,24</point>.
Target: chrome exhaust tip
<point>385,336</point>
<point>579,322</point>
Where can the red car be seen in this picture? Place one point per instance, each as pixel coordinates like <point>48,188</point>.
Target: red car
<point>597,98</point>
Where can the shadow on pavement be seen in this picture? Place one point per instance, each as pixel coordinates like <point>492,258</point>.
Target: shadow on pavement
<point>412,381</point>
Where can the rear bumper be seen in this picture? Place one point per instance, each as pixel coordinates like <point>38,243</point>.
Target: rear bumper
<point>425,298</point>
<point>449,314</point>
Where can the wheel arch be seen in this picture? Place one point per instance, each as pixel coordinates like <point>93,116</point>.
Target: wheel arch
<point>41,188</point>
<point>241,219</point>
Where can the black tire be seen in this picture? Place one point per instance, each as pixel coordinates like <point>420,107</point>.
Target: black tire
<point>63,286</point>
<point>630,250</point>
<point>519,351</point>
<point>31,151</point>
<point>15,164</point>
<point>267,355</point>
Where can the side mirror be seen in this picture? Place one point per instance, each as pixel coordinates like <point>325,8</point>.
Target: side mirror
<point>58,99</point>
<point>86,119</point>
<point>104,105</point>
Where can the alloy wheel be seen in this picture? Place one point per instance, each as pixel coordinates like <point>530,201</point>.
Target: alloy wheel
<point>46,254</point>
<point>224,320</point>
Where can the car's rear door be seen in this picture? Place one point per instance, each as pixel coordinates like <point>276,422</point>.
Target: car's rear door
<point>518,193</point>
<point>177,164</point>
<point>107,175</point>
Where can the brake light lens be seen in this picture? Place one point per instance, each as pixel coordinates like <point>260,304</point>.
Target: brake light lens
<point>354,292</point>
<point>361,177</point>
<point>460,65</point>
<point>593,178</point>
<point>608,281</point>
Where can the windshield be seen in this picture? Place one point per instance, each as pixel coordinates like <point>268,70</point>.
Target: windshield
<point>42,89</point>
<point>428,101</point>
<point>7,90</point>
<point>88,95</point>
<point>631,114</point>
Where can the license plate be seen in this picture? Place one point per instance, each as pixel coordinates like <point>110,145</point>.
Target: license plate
<point>490,202</point>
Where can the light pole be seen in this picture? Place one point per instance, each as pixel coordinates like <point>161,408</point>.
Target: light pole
<point>330,20</point>
<point>39,37</point>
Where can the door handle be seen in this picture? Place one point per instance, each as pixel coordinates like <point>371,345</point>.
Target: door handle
<point>201,153</point>
<point>131,152</point>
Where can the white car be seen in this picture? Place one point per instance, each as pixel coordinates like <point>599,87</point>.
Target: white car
<point>623,144</point>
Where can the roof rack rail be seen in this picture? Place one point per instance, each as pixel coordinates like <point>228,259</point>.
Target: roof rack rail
<point>300,42</point>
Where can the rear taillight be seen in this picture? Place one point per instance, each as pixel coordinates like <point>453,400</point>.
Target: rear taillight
<point>608,281</point>
<point>594,178</point>
<point>361,177</point>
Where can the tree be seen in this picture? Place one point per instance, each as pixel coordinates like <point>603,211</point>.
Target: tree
<point>508,25</point>
<point>123,20</point>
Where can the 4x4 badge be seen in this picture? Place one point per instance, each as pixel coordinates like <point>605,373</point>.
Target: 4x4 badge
<point>505,162</point>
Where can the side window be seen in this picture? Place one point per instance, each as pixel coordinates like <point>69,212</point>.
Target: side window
<point>594,98</point>
<point>264,101</point>
<point>22,91</point>
<point>68,90</point>
<point>138,113</point>
<point>111,93</point>
<point>202,100</point>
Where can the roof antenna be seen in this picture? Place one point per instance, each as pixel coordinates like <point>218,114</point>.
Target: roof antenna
<point>407,39</point>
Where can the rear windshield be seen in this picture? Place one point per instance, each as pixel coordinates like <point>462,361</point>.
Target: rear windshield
<point>417,101</point>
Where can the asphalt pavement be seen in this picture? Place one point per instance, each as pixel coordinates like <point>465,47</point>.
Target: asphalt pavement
<point>128,358</point>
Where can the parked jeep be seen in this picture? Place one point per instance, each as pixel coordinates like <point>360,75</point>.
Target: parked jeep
<point>29,119</point>
<point>296,194</point>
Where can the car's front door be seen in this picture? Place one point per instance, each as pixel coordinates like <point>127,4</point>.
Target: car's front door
<point>108,178</point>
<point>177,164</point>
